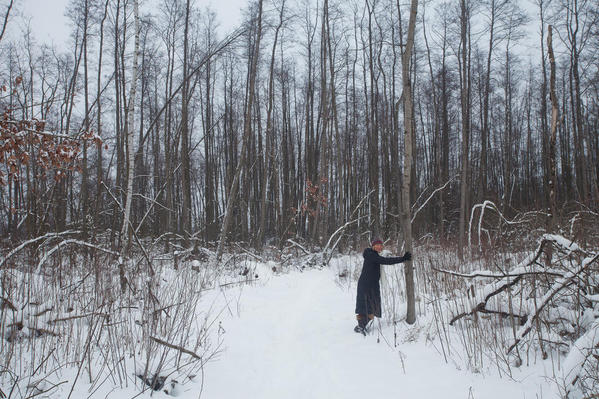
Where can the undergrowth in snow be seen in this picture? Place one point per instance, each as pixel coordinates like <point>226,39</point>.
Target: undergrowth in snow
<point>279,324</point>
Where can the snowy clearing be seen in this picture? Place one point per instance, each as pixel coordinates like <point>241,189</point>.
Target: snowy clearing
<point>269,332</point>
<point>292,338</point>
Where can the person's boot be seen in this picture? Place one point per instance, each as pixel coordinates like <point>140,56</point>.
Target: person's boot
<point>362,321</point>
<point>359,330</point>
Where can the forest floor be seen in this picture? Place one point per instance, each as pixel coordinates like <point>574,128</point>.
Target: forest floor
<point>291,336</point>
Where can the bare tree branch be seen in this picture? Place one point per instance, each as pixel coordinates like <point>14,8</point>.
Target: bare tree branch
<point>6,15</point>
<point>557,287</point>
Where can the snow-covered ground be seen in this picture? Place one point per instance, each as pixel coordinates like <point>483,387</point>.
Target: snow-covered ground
<point>291,336</point>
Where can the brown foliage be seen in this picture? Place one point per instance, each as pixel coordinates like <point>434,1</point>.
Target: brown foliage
<point>26,141</point>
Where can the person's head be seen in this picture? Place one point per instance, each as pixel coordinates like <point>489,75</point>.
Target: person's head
<point>377,244</point>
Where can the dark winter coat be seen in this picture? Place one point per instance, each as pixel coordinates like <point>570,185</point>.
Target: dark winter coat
<point>368,300</point>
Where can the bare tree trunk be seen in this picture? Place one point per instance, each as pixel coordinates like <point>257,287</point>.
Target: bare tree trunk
<point>465,104</point>
<point>322,128</point>
<point>86,124</point>
<point>544,129</point>
<point>577,120</point>
<point>508,132</point>
<point>445,130</point>
<point>552,178</point>
<point>246,133</point>
<point>210,186</point>
<point>185,162</point>
<point>339,158</point>
<point>484,134</point>
<point>130,117</point>
<point>268,139</point>
<point>99,172</point>
<point>407,168</point>
<point>372,132</point>
<point>6,16</point>
<point>553,136</point>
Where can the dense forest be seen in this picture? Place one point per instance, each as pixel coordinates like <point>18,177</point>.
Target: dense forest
<point>149,122</point>
<point>157,160</point>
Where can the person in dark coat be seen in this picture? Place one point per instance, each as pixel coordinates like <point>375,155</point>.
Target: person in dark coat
<point>368,299</point>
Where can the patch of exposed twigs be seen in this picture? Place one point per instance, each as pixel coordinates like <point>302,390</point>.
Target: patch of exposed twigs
<point>547,298</point>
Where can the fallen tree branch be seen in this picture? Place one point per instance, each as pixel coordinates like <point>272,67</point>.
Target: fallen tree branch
<point>326,259</point>
<point>176,347</point>
<point>482,306</point>
<point>9,304</point>
<point>555,288</point>
<point>568,245</point>
<point>67,242</point>
<point>523,318</point>
<point>258,258</point>
<point>506,281</point>
<point>295,244</point>
<point>46,390</point>
<point>81,316</point>
<point>340,229</point>
<point>489,274</point>
<point>23,245</point>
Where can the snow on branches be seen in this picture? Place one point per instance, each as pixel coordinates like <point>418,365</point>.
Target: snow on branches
<point>556,299</point>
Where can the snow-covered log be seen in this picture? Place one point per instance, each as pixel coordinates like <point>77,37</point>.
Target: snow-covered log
<point>503,282</point>
<point>547,291</point>
<point>580,366</point>
<point>559,285</point>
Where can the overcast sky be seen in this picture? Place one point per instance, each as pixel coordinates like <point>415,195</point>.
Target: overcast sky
<point>51,26</point>
<point>47,18</point>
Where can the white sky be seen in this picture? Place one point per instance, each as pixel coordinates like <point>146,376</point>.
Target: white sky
<point>50,25</point>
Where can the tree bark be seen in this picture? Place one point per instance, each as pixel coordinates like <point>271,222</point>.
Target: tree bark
<point>185,162</point>
<point>465,105</point>
<point>130,117</point>
<point>268,139</point>
<point>99,171</point>
<point>407,168</point>
<point>231,198</point>
<point>553,135</point>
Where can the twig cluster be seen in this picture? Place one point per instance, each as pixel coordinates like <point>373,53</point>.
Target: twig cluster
<point>548,300</point>
<point>64,321</point>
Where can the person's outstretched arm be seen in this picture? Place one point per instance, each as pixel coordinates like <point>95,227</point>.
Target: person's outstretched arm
<point>391,260</point>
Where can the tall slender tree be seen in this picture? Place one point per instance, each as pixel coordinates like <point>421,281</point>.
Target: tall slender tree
<point>407,166</point>
<point>129,129</point>
<point>232,194</point>
<point>464,63</point>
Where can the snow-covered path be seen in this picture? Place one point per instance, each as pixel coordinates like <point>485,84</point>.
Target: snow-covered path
<point>292,337</point>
